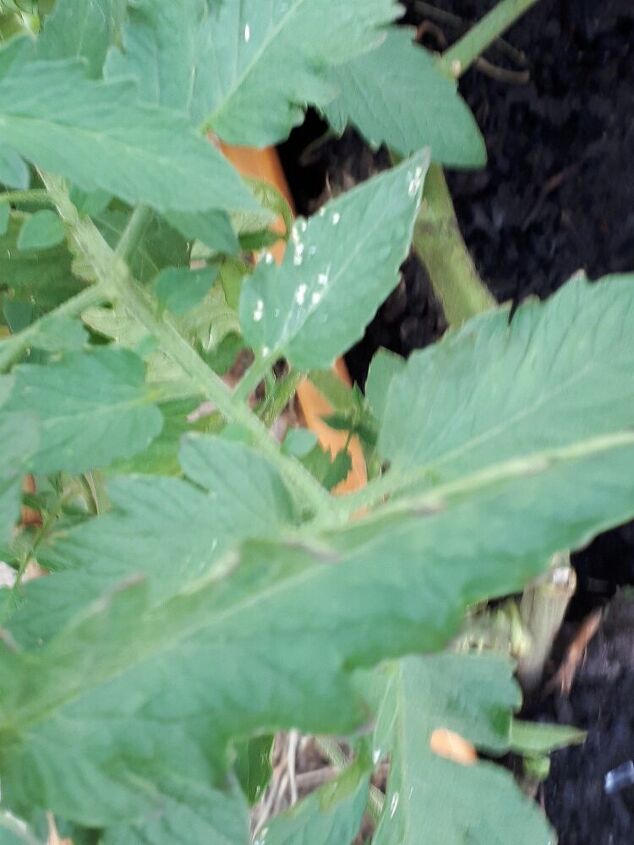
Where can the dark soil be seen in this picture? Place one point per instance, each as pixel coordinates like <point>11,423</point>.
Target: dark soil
<point>601,702</point>
<point>556,196</point>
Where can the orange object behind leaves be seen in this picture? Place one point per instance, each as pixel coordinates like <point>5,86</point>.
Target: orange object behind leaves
<point>265,165</point>
<point>452,746</point>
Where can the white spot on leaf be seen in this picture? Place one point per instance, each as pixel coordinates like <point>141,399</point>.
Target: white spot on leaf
<point>258,312</point>
<point>393,804</point>
<point>247,33</point>
<point>336,217</point>
<point>300,294</point>
<point>298,257</point>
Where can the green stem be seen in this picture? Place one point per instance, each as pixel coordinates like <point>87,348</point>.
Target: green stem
<point>285,389</point>
<point>37,195</point>
<point>542,609</point>
<point>114,274</point>
<point>253,376</point>
<point>133,232</point>
<point>179,350</point>
<point>331,750</point>
<point>459,58</point>
<point>437,237</point>
<point>16,345</point>
<point>439,244</point>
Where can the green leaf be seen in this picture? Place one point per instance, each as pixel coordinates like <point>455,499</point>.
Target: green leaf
<point>328,470</point>
<point>234,653</point>
<point>91,203</point>
<point>303,444</point>
<point>253,228</point>
<point>19,437</point>
<point>331,815</point>
<point>179,289</point>
<point>59,334</point>
<point>250,493</point>
<point>535,738</point>
<point>5,216</point>
<point>474,696</point>
<point>45,277</point>
<point>253,765</point>
<point>212,228</point>
<point>14,831</point>
<point>342,398</point>
<point>41,230</point>
<point>248,100</point>
<point>18,314</point>
<point>92,408</point>
<point>162,245</point>
<point>385,365</point>
<point>188,812</point>
<point>220,62</point>
<point>81,29</point>
<point>494,391</point>
<point>161,47</point>
<point>397,95</point>
<point>161,456</point>
<point>13,171</point>
<point>96,135</point>
<point>117,323</point>
<point>165,528</point>
<point>343,264</point>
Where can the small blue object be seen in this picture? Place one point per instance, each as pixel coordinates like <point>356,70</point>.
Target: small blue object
<point>619,778</point>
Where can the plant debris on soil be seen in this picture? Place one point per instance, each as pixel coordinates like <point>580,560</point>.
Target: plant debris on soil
<point>554,99</point>
<point>600,701</point>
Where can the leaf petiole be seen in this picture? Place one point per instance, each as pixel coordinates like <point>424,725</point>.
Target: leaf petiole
<point>459,58</point>
<point>114,273</point>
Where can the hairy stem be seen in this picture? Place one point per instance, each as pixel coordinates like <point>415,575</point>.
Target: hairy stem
<point>437,237</point>
<point>459,58</point>
<point>114,274</point>
<point>16,345</point>
<point>542,610</point>
<point>439,244</point>
<point>37,196</point>
<point>133,232</point>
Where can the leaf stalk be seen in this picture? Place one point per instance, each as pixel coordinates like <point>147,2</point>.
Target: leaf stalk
<point>459,58</point>
<point>113,272</point>
<point>438,242</point>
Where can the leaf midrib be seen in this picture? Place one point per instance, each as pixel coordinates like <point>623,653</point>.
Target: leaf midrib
<point>507,423</point>
<point>240,79</point>
<point>169,641</point>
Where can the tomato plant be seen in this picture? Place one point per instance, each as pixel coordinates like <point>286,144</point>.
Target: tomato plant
<point>205,588</point>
